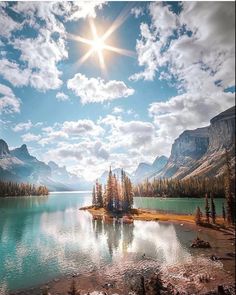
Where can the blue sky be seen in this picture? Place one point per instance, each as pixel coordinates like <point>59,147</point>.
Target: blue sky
<point>86,118</point>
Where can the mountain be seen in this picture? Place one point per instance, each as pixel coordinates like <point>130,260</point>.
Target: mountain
<point>200,152</point>
<point>4,150</point>
<point>145,170</point>
<point>18,165</point>
<point>61,175</point>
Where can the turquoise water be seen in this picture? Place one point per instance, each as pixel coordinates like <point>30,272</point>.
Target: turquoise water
<point>177,205</point>
<point>42,238</point>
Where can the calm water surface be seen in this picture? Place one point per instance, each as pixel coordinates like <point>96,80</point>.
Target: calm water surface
<point>178,205</point>
<point>42,238</point>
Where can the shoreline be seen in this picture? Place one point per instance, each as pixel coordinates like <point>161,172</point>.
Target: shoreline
<point>152,215</point>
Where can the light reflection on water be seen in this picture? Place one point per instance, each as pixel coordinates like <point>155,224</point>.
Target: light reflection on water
<point>46,237</point>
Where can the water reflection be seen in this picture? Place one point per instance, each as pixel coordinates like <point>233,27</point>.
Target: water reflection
<point>51,237</point>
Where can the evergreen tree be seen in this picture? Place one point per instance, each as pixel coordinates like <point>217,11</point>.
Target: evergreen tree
<point>198,216</point>
<point>207,208</point>
<point>213,209</point>
<point>94,201</point>
<point>223,212</point>
<point>109,193</point>
<point>99,196</point>
<point>228,186</point>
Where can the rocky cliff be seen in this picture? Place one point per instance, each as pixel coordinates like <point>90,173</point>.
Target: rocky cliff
<point>200,152</point>
<point>4,150</point>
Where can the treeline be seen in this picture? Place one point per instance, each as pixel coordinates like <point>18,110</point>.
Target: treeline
<point>116,196</point>
<point>14,189</point>
<point>191,187</point>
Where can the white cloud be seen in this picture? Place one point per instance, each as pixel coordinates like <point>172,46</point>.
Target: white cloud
<point>23,126</point>
<point>7,24</point>
<point>199,59</point>
<point>9,103</point>
<point>81,127</point>
<point>187,111</point>
<point>137,11</point>
<point>40,54</point>
<point>61,96</point>
<point>30,137</point>
<point>12,72</point>
<point>117,110</point>
<point>130,135</point>
<point>92,90</point>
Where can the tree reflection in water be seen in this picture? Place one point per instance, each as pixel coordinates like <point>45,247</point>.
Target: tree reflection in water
<point>117,233</point>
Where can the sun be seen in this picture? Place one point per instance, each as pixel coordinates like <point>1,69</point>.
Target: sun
<point>98,44</point>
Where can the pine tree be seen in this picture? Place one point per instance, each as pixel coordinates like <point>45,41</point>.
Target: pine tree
<point>94,197</point>
<point>213,209</point>
<point>109,193</point>
<point>223,212</point>
<point>207,208</point>
<point>99,196</point>
<point>198,216</point>
<point>230,199</point>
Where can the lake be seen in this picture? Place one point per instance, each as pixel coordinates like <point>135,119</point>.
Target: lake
<point>43,238</point>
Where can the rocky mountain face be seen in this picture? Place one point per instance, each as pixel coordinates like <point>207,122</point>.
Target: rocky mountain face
<point>145,170</point>
<point>18,165</point>
<point>4,150</point>
<point>200,152</point>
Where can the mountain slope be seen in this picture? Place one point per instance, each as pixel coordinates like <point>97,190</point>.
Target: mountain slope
<point>18,165</point>
<point>146,170</point>
<point>200,152</point>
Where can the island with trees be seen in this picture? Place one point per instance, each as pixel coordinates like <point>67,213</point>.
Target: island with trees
<point>115,199</point>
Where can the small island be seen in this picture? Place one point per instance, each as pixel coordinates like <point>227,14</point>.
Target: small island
<point>115,201</point>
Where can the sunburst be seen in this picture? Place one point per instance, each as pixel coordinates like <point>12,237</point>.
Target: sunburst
<point>98,44</point>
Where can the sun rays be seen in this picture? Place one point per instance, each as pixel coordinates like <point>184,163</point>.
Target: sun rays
<point>98,44</point>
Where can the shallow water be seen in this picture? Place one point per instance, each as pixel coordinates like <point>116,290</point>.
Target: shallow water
<point>43,238</point>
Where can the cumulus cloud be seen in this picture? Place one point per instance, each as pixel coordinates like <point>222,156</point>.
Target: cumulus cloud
<point>23,126</point>
<point>7,24</point>
<point>12,72</point>
<point>117,110</point>
<point>40,55</point>
<point>137,11</point>
<point>196,46</point>
<point>30,137</point>
<point>9,103</point>
<point>81,127</point>
<point>92,90</point>
<point>187,111</point>
<point>129,135</point>
<point>61,96</point>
